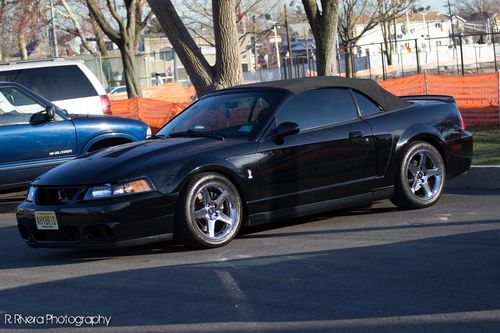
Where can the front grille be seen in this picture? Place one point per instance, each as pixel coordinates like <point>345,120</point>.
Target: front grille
<point>65,234</point>
<point>55,195</point>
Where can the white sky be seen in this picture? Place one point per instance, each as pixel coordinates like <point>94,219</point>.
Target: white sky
<point>435,4</point>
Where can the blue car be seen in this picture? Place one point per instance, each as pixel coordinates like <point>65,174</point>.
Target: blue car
<point>36,136</point>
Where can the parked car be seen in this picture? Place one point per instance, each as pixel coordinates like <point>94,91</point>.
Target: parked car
<point>118,90</point>
<point>68,84</point>
<point>251,155</point>
<point>35,135</point>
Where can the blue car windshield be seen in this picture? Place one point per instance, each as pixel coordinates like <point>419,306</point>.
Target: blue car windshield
<point>231,115</point>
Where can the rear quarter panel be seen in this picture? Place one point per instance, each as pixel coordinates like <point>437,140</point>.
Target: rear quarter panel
<point>438,123</point>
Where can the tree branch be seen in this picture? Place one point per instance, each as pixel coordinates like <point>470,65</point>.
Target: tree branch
<point>102,22</point>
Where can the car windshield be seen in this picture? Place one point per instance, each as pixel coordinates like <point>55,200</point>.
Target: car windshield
<point>228,115</point>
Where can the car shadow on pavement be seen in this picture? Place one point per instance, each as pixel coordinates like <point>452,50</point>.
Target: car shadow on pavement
<point>440,284</point>
<point>471,191</point>
<point>368,229</point>
<point>17,254</point>
<point>8,206</point>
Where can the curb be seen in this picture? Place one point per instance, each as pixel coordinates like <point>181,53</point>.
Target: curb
<point>479,177</point>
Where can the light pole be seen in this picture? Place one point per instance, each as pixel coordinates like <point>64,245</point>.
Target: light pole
<point>288,40</point>
<point>276,45</point>
<point>53,29</point>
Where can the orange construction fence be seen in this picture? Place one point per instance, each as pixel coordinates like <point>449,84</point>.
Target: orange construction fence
<point>476,95</point>
<point>169,92</point>
<point>152,112</point>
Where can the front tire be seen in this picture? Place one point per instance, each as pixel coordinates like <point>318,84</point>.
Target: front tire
<point>210,212</point>
<point>421,176</point>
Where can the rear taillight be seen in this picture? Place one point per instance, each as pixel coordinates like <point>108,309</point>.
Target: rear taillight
<point>462,120</point>
<point>106,105</point>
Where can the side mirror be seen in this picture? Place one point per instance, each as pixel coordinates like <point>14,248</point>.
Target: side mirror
<point>286,129</point>
<point>51,112</point>
<point>43,116</point>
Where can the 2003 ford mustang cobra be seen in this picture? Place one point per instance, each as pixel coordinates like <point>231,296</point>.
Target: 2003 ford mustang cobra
<point>249,155</point>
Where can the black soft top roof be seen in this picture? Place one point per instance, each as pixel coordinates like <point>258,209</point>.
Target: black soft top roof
<point>368,87</point>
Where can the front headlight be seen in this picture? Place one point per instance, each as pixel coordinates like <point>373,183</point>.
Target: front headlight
<point>30,196</point>
<point>109,190</point>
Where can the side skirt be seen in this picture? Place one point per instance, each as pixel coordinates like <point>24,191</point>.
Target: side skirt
<point>319,207</point>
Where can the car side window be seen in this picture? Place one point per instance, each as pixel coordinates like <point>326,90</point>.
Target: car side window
<point>319,107</point>
<point>16,107</point>
<point>366,106</point>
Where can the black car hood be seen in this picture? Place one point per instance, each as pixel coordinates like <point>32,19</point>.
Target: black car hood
<point>128,161</point>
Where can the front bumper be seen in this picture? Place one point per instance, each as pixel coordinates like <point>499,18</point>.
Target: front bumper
<point>118,222</point>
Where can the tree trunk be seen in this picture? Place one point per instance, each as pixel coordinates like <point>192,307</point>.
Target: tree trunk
<point>130,75</point>
<point>324,27</point>
<point>228,65</point>
<point>348,63</point>
<point>386,33</point>
<point>22,45</point>
<point>197,67</point>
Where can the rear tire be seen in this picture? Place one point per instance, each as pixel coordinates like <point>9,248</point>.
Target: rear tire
<point>210,212</point>
<point>421,176</point>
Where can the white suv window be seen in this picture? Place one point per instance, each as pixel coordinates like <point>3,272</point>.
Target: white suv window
<point>54,83</point>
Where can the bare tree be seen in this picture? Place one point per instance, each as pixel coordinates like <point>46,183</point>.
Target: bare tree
<point>388,12</point>
<point>78,27</point>
<point>250,19</point>
<point>227,70</point>
<point>27,21</point>
<point>353,13</point>
<point>467,8</point>
<point>75,19</point>
<point>4,9</point>
<point>130,21</point>
<point>323,23</point>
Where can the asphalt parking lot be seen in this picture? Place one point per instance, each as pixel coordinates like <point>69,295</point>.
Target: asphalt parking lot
<point>375,269</point>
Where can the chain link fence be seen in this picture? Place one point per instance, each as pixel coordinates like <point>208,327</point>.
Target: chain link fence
<point>461,55</point>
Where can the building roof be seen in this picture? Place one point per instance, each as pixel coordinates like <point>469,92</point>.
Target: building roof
<point>368,87</point>
<point>431,16</point>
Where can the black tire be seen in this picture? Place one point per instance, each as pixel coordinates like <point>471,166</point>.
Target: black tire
<point>203,197</point>
<point>420,177</point>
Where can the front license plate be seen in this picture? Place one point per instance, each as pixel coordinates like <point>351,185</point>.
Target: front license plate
<point>46,221</point>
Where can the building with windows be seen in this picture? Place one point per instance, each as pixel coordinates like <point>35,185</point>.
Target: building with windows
<point>423,30</point>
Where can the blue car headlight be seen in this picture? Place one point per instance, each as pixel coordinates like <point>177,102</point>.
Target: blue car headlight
<point>30,196</point>
<point>120,189</point>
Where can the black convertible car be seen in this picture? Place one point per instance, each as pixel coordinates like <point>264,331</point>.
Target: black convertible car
<point>250,155</point>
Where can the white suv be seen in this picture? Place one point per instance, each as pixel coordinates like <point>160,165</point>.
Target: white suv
<point>68,84</point>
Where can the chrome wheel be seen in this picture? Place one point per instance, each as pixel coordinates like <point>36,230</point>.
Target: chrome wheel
<point>215,211</point>
<point>424,175</point>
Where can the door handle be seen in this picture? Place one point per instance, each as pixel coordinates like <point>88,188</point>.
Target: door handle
<point>356,134</point>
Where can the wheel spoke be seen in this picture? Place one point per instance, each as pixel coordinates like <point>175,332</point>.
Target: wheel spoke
<point>206,195</point>
<point>427,189</point>
<point>220,199</point>
<point>413,169</point>
<point>211,228</point>
<point>226,219</point>
<point>416,186</point>
<point>200,214</point>
<point>432,172</point>
<point>423,159</point>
